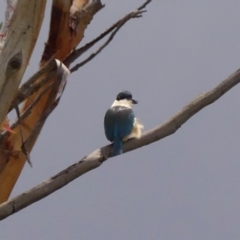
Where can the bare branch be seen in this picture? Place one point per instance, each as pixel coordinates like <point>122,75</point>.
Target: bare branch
<point>77,66</point>
<point>96,158</point>
<point>26,112</point>
<point>52,101</point>
<point>30,86</point>
<point>24,150</point>
<point>133,14</point>
<point>144,5</point>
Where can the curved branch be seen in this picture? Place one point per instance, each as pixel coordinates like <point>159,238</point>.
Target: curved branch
<point>96,158</point>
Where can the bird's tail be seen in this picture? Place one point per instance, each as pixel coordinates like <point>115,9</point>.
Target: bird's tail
<point>117,143</point>
<point>117,146</point>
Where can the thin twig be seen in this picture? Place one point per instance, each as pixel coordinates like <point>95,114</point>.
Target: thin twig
<point>135,14</point>
<point>144,5</point>
<point>24,150</point>
<point>78,52</point>
<point>88,59</point>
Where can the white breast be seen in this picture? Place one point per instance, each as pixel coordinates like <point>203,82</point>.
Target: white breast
<point>123,103</point>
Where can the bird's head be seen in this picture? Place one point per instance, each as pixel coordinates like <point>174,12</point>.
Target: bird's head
<point>127,96</point>
<point>124,98</point>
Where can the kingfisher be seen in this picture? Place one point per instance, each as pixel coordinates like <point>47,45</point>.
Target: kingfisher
<point>120,123</point>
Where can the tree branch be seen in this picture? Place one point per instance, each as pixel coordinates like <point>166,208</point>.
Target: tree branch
<point>33,84</point>
<point>96,158</point>
<point>26,112</point>
<point>135,14</point>
<point>117,25</point>
<point>30,86</point>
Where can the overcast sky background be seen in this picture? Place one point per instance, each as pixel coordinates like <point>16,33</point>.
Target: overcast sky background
<point>184,187</point>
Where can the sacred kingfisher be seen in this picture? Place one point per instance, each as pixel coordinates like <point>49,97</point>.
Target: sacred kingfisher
<point>120,123</point>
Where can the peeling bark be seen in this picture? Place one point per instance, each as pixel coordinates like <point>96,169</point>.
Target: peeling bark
<point>22,35</point>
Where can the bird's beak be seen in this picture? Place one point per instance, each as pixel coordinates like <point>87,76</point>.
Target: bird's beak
<point>134,101</point>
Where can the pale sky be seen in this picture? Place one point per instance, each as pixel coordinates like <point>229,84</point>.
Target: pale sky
<point>183,187</point>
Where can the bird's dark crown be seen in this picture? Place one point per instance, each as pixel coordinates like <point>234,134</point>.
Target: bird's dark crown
<point>124,95</point>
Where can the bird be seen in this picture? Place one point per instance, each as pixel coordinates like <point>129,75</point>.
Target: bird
<point>120,123</point>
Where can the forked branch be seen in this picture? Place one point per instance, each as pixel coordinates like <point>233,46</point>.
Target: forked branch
<point>30,86</point>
